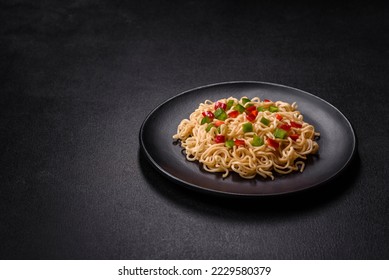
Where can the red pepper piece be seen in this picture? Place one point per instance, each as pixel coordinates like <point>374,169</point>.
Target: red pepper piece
<point>220,138</point>
<point>278,117</point>
<point>209,114</point>
<point>266,100</point>
<point>220,105</point>
<point>296,125</point>
<point>252,111</point>
<point>294,136</point>
<point>251,108</point>
<point>252,116</point>
<point>239,142</point>
<point>233,114</point>
<point>285,126</point>
<point>218,123</point>
<point>272,143</point>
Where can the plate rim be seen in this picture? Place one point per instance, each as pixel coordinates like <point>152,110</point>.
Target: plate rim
<point>219,192</point>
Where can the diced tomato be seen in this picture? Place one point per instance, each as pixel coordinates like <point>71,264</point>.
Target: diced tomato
<point>251,117</point>
<point>220,105</point>
<point>294,136</point>
<point>296,125</point>
<point>266,100</point>
<point>218,123</point>
<point>272,143</point>
<point>209,114</point>
<point>220,138</point>
<point>239,142</point>
<point>278,117</point>
<point>233,114</point>
<point>285,126</point>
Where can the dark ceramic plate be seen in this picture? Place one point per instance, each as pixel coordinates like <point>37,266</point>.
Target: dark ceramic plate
<point>337,141</point>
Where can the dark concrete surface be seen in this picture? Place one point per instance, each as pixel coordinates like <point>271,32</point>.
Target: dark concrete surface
<point>79,77</point>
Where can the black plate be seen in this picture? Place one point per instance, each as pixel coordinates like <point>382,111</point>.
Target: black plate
<point>337,141</point>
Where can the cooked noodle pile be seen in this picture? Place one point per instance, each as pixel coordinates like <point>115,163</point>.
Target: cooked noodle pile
<point>248,137</point>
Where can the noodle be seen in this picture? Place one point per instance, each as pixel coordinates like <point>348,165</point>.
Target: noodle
<point>249,137</point>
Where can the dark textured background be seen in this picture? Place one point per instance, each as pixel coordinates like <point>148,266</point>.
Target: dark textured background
<point>79,77</point>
